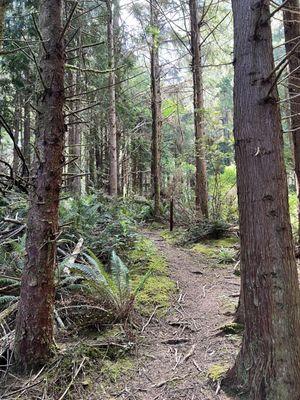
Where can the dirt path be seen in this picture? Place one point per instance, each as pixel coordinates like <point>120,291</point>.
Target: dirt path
<point>177,352</point>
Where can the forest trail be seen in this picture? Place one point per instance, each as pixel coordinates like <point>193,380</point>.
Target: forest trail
<point>176,352</point>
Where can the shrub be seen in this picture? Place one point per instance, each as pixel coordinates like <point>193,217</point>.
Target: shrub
<point>215,229</point>
<point>114,290</point>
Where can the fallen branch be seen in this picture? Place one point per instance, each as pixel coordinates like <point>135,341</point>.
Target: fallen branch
<point>73,256</point>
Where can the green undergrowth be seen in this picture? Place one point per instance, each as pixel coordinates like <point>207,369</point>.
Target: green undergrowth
<point>221,250</point>
<point>217,372</point>
<point>232,328</point>
<point>114,370</point>
<point>97,360</point>
<point>158,288</point>
<point>173,237</point>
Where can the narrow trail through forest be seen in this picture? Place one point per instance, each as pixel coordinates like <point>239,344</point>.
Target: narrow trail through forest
<point>177,352</point>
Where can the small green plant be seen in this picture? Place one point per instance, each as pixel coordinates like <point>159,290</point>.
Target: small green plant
<point>113,289</point>
<point>217,372</point>
<point>232,328</point>
<point>226,255</point>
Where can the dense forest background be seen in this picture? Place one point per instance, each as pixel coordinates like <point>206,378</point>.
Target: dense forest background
<point>87,107</point>
<point>137,144</point>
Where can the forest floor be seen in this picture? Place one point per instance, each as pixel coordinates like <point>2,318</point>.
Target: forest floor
<point>178,352</point>
<point>183,354</point>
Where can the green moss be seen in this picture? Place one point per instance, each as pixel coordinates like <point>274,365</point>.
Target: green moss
<point>158,288</point>
<point>156,292</point>
<point>220,250</point>
<point>232,329</point>
<point>114,370</point>
<point>112,332</point>
<point>205,250</point>
<point>225,242</point>
<point>228,305</point>
<point>173,237</point>
<point>217,372</point>
<point>168,236</point>
<point>144,257</point>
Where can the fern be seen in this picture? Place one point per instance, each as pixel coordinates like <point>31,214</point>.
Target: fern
<point>98,266</point>
<point>4,281</point>
<point>112,289</point>
<point>4,300</point>
<point>120,274</point>
<point>85,270</point>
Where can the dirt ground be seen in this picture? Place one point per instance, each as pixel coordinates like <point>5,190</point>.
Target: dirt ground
<point>177,352</point>
<point>174,354</point>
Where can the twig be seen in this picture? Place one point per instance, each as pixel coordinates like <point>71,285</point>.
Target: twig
<point>218,388</point>
<point>39,33</point>
<point>59,320</point>
<point>150,319</point>
<point>68,21</point>
<point>197,366</point>
<point>203,289</point>
<point>73,379</point>
<point>189,354</point>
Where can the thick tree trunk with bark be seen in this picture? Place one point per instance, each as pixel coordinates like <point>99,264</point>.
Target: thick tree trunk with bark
<point>34,327</point>
<point>268,365</point>
<point>112,118</point>
<point>156,109</point>
<point>201,194</point>
<point>291,19</point>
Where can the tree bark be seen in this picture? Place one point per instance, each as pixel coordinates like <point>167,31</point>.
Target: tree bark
<point>26,141</point>
<point>74,140</point>
<point>201,194</point>
<point>3,7</point>
<point>268,365</point>
<point>17,130</point>
<point>156,109</point>
<point>34,327</point>
<point>291,20</point>
<point>112,118</point>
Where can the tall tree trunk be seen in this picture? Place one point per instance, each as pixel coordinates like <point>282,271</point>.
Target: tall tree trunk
<point>74,140</point>
<point>17,131</point>
<point>34,326</point>
<point>156,109</point>
<point>98,159</point>
<point>268,365</point>
<point>3,7</point>
<point>201,195</point>
<point>26,141</point>
<point>112,119</point>
<point>291,19</point>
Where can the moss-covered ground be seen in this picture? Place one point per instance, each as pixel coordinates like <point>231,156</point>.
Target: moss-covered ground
<point>158,287</point>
